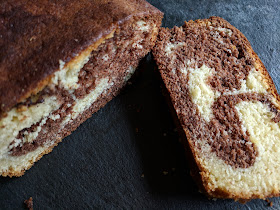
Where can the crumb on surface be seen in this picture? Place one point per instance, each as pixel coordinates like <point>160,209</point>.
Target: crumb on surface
<point>29,203</point>
<point>143,175</point>
<point>269,203</point>
<point>243,201</point>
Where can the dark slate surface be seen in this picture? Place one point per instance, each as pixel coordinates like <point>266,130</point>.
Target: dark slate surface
<point>100,165</point>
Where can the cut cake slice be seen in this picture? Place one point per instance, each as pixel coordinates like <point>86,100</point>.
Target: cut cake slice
<point>227,106</point>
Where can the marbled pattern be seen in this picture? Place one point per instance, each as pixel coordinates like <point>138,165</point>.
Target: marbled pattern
<point>101,163</point>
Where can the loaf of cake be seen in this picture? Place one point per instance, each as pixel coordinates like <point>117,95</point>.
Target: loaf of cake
<point>227,106</point>
<point>61,61</point>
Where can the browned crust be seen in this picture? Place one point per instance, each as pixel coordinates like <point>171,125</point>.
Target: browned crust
<point>36,35</point>
<point>99,103</point>
<point>42,84</point>
<point>197,170</point>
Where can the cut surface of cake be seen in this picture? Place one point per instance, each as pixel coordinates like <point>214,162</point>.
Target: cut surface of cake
<point>61,61</point>
<point>227,106</point>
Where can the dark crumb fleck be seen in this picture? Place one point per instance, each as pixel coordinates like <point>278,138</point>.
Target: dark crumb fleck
<point>270,203</point>
<point>29,203</point>
<point>243,201</point>
<point>142,176</point>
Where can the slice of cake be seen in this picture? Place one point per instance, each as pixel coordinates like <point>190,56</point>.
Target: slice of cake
<point>61,61</point>
<point>227,106</point>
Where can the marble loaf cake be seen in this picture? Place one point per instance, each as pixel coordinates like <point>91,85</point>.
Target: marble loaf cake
<point>227,106</point>
<point>61,61</point>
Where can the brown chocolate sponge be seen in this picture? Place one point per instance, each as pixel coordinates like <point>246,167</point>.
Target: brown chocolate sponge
<point>59,63</point>
<point>227,106</point>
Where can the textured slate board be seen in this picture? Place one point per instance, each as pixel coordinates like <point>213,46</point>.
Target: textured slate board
<point>101,163</point>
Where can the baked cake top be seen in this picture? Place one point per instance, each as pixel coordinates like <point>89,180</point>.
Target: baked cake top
<point>35,36</point>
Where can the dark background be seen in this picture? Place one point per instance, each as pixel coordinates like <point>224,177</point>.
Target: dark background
<point>128,154</point>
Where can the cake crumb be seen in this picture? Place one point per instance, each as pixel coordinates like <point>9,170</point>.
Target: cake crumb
<point>142,176</point>
<point>32,38</point>
<point>270,203</point>
<point>21,108</point>
<point>29,203</point>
